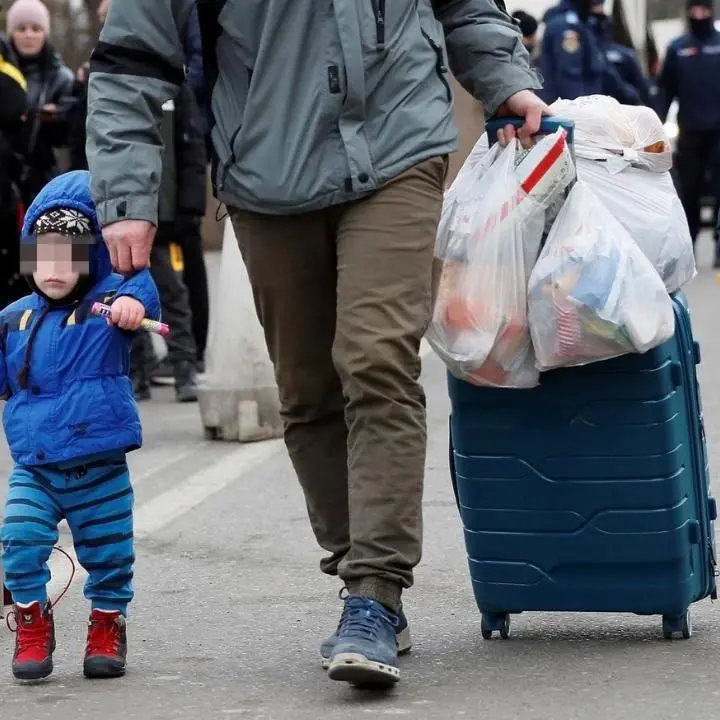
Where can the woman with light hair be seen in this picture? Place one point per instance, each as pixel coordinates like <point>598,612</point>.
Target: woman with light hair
<point>49,92</point>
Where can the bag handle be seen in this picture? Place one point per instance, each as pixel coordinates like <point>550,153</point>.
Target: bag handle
<point>548,126</point>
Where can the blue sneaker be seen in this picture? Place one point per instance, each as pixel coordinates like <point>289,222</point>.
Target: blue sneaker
<point>402,636</point>
<point>366,650</point>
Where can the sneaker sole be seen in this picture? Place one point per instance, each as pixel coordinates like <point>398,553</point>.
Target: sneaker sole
<point>34,672</point>
<point>103,670</point>
<point>357,670</point>
<point>404,646</point>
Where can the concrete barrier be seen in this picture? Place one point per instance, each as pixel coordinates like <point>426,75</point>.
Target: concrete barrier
<point>238,396</point>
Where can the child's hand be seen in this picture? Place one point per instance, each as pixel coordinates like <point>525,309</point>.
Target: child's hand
<point>127,313</point>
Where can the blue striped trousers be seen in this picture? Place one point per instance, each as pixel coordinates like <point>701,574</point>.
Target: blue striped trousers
<point>96,499</point>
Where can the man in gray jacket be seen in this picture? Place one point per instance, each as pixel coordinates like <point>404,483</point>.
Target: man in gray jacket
<point>332,125</point>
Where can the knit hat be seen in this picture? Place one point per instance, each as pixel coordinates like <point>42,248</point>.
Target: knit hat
<point>63,221</point>
<point>700,3</point>
<point>27,12</point>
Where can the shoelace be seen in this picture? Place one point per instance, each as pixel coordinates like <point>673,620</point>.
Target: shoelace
<point>12,614</point>
<point>104,636</point>
<point>34,636</point>
<point>361,619</point>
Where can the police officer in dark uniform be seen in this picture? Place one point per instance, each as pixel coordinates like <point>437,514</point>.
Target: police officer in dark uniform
<point>691,73</point>
<point>617,55</point>
<point>571,62</point>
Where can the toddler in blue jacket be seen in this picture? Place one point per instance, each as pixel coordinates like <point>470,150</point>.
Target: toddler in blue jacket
<point>70,418</point>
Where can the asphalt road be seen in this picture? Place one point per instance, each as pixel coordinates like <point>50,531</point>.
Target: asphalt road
<point>230,606</point>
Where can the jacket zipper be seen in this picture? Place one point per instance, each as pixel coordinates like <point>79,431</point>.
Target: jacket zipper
<point>439,63</point>
<point>378,7</point>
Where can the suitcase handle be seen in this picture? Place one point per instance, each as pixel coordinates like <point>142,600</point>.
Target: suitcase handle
<point>548,126</point>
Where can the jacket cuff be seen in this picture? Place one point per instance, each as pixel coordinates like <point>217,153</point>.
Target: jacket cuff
<point>515,78</point>
<point>133,207</point>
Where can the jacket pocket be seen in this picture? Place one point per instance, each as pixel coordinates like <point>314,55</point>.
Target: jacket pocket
<point>433,39</point>
<point>230,96</point>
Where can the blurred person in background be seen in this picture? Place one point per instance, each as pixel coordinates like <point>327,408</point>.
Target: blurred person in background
<point>49,93</point>
<point>529,28</point>
<point>572,63</point>
<point>180,212</point>
<point>691,74</point>
<point>13,106</point>
<point>622,58</point>
<point>196,72</point>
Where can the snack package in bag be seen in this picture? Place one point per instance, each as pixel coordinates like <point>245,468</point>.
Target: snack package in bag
<point>593,295</point>
<point>488,239</point>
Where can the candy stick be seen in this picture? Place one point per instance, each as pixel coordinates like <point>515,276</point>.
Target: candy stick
<point>152,326</point>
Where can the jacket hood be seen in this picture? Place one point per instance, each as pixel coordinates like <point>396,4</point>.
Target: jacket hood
<point>71,190</point>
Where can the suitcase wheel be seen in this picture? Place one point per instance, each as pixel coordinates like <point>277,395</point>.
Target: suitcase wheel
<point>677,625</point>
<point>492,622</point>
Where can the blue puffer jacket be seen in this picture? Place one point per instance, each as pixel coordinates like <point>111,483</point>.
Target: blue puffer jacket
<point>78,400</point>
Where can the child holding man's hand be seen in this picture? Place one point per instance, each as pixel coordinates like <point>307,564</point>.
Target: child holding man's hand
<point>70,419</point>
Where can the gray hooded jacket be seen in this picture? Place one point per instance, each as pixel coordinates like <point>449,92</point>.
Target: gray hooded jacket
<point>314,102</point>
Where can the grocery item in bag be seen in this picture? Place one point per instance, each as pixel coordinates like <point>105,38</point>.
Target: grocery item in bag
<point>647,205</point>
<point>593,294</point>
<point>488,239</point>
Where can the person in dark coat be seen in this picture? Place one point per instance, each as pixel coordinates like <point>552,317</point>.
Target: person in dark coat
<point>49,92</point>
<point>572,63</point>
<point>691,74</point>
<point>181,209</point>
<point>13,106</point>
<point>622,58</point>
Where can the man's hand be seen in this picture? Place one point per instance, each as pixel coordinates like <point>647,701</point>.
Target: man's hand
<point>127,313</point>
<point>525,104</point>
<point>129,243</point>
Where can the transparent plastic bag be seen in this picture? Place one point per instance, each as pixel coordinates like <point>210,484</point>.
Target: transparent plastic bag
<point>648,207</point>
<point>620,135</point>
<point>488,239</point>
<point>593,295</point>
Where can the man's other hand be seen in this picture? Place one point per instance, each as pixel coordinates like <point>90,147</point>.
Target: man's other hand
<point>129,243</point>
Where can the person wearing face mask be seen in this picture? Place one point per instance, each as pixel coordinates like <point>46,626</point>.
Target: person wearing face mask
<point>50,92</point>
<point>691,74</point>
<point>620,57</point>
<point>571,62</point>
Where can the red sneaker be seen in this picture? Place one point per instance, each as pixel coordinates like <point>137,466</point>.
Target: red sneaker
<point>34,642</point>
<point>106,645</point>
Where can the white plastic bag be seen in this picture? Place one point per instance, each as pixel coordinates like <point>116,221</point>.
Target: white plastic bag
<point>620,135</point>
<point>647,205</point>
<point>593,295</point>
<point>488,239</point>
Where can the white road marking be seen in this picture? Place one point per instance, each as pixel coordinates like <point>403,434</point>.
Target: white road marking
<point>166,508</point>
<point>173,504</point>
